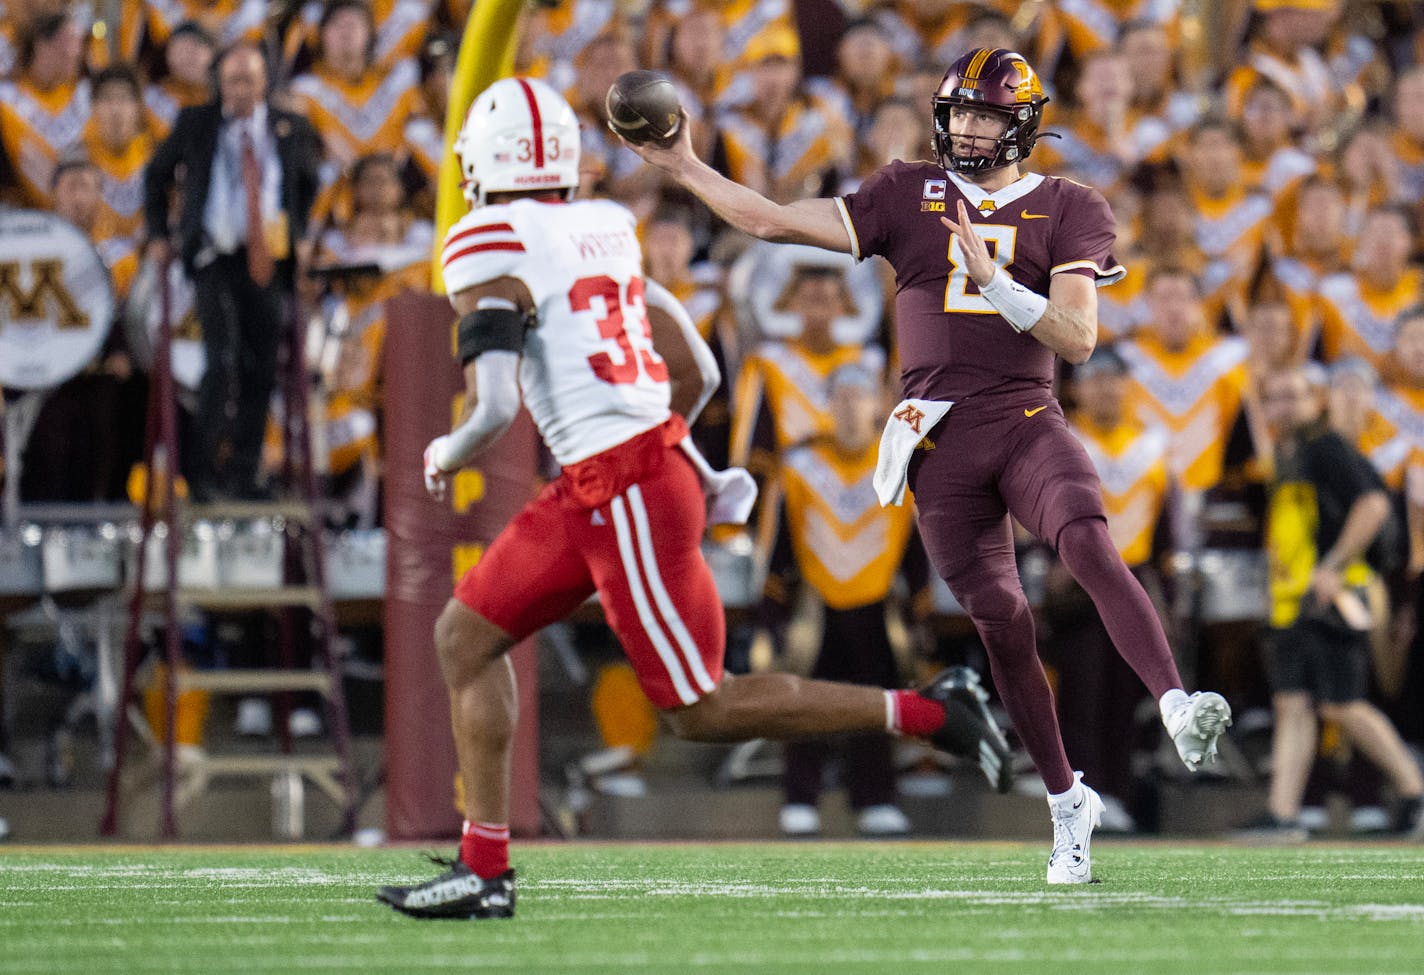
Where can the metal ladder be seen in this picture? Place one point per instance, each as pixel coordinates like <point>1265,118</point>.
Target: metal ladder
<point>303,590</point>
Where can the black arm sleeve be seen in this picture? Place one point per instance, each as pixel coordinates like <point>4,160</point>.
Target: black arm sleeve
<point>489,330</point>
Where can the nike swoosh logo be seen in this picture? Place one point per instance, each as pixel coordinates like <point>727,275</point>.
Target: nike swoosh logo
<point>1078,804</point>
<point>1025,215</point>
<point>1035,411</point>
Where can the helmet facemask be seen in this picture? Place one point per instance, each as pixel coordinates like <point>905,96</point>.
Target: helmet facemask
<point>1012,146</point>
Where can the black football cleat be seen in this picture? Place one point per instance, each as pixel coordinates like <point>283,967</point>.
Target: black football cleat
<point>457,893</point>
<point>970,730</point>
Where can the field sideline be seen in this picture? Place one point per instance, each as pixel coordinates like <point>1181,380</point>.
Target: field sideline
<point>744,908</point>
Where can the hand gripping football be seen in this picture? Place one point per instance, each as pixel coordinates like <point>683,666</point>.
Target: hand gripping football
<point>643,108</point>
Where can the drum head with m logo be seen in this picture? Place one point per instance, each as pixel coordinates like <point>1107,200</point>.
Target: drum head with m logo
<point>56,300</point>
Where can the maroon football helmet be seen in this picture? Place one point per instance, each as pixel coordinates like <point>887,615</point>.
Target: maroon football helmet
<point>999,80</point>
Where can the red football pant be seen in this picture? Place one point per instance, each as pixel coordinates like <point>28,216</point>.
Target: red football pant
<point>640,550</point>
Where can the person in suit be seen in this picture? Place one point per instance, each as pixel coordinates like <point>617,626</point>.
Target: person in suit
<point>249,178</point>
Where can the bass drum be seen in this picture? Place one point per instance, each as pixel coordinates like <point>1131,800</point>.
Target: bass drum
<point>761,276</point>
<point>56,300</point>
<point>143,316</point>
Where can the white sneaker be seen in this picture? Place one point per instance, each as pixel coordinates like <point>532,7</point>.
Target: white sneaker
<point>1075,816</point>
<point>303,723</point>
<point>1196,724</point>
<point>1368,819</point>
<point>1116,818</point>
<point>798,819</point>
<point>626,785</point>
<point>883,820</point>
<point>254,717</point>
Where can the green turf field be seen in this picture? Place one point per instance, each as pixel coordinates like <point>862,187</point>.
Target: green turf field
<point>886,908</point>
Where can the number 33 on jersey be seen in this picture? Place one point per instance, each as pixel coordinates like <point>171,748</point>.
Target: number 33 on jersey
<point>589,374</point>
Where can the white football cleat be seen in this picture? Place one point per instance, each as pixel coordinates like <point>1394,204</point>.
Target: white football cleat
<point>883,820</point>
<point>1075,816</point>
<point>799,820</point>
<point>1196,724</point>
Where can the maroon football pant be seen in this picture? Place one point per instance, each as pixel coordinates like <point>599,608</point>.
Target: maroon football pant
<point>1019,458</point>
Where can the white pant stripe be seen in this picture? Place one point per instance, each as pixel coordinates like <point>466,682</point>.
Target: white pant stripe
<point>690,653</point>
<point>650,623</point>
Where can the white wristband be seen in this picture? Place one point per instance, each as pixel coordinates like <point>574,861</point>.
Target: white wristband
<point>1020,307</point>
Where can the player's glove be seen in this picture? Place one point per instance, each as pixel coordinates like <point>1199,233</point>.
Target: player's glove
<point>436,477</point>
<point>730,496</point>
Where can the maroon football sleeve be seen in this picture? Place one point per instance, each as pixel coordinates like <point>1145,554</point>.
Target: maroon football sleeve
<point>1082,243</point>
<point>866,210</point>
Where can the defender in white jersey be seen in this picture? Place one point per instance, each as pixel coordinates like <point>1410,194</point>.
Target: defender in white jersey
<point>553,306</point>
<point>589,374</point>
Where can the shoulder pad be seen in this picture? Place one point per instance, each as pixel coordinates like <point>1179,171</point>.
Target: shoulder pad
<point>482,246</point>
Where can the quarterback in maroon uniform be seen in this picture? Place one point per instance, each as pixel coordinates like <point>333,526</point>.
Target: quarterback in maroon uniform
<point>996,273</point>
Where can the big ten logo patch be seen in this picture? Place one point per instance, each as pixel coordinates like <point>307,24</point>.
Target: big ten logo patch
<point>932,199</point>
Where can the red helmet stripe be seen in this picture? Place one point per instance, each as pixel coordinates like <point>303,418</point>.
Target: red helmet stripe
<point>538,123</point>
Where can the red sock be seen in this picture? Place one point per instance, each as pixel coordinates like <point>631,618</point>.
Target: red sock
<point>914,715</point>
<point>484,848</point>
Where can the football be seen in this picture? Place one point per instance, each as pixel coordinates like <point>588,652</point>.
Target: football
<point>643,108</point>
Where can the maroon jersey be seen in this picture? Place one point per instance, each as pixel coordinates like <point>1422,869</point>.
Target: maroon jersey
<point>953,344</point>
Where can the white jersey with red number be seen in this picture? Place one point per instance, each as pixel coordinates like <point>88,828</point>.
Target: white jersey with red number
<point>589,374</point>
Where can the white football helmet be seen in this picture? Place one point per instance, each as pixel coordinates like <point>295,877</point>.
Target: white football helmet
<point>519,134</point>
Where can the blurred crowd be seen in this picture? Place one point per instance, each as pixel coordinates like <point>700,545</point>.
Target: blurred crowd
<point>1264,159</point>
